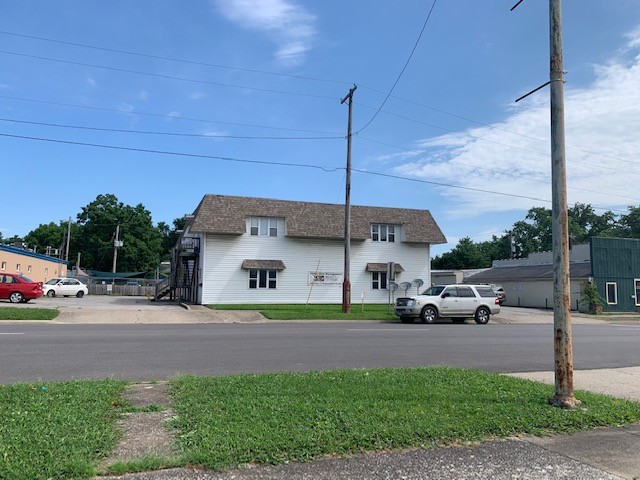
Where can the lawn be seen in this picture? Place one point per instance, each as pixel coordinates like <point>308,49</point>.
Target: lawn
<point>316,312</point>
<point>57,430</point>
<point>17,313</point>
<point>282,417</point>
<point>62,430</point>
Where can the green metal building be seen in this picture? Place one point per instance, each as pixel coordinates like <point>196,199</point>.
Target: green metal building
<point>615,264</point>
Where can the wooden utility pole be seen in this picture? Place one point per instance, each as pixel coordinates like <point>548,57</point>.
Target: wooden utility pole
<point>346,282</point>
<point>563,349</point>
<point>66,252</point>
<point>116,244</point>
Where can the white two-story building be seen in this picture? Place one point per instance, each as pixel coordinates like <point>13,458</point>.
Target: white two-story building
<point>241,250</point>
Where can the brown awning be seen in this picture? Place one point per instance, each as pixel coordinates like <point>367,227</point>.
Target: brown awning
<point>263,264</point>
<point>382,267</point>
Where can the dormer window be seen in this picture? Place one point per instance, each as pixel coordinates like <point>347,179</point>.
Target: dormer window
<point>383,233</point>
<point>264,226</point>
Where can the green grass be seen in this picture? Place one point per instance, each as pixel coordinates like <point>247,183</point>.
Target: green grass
<point>57,430</point>
<point>16,313</point>
<point>316,312</point>
<point>281,417</point>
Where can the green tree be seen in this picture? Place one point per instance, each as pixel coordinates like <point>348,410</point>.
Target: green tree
<point>466,254</point>
<point>142,241</point>
<point>46,235</point>
<point>629,224</point>
<point>585,223</point>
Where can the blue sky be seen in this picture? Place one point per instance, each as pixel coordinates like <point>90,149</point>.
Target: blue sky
<point>213,78</point>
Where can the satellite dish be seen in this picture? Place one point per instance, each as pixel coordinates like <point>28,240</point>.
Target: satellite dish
<point>393,286</point>
<point>405,286</point>
<point>417,283</point>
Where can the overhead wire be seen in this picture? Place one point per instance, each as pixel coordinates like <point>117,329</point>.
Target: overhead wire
<point>169,77</point>
<point>406,64</point>
<point>149,132</point>
<point>160,115</point>
<point>285,164</point>
<point>174,59</point>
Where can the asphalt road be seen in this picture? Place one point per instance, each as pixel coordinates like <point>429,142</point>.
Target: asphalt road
<point>48,352</point>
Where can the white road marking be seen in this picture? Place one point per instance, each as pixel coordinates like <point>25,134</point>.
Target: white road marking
<point>12,333</point>
<point>383,330</point>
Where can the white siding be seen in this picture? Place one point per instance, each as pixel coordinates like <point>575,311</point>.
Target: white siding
<point>224,281</point>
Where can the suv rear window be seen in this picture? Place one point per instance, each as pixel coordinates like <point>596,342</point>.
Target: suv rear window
<point>486,291</point>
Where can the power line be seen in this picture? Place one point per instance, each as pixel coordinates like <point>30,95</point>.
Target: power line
<point>263,162</point>
<point>164,152</point>
<point>147,132</point>
<point>160,115</point>
<point>508,174</point>
<point>424,26</point>
<point>168,77</point>
<point>173,59</point>
<point>504,144</point>
<point>483,124</point>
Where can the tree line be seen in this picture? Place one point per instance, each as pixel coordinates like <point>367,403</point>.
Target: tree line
<point>533,234</point>
<point>92,234</point>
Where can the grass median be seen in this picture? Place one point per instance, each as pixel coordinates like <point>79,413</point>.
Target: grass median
<point>62,431</point>
<point>57,430</point>
<point>282,417</point>
<point>317,312</point>
<point>17,313</point>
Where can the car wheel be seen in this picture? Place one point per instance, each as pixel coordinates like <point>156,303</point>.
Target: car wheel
<point>16,297</point>
<point>458,320</point>
<point>404,319</point>
<point>482,315</point>
<point>80,294</point>
<point>51,293</point>
<point>429,314</point>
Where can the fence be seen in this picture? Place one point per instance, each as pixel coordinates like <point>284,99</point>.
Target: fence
<point>123,290</point>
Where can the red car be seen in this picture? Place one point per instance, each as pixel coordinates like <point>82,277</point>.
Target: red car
<point>18,288</point>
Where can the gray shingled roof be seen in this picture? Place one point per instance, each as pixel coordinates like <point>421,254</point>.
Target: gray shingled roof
<point>249,264</point>
<point>577,271</point>
<point>382,267</point>
<point>221,214</point>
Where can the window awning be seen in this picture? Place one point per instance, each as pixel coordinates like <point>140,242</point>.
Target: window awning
<point>382,267</point>
<point>248,264</point>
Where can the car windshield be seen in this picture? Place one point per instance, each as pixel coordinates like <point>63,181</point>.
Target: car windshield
<point>435,290</point>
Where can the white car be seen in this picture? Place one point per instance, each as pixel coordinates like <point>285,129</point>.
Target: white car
<point>450,301</point>
<point>65,287</point>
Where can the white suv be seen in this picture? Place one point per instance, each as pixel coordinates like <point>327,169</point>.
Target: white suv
<point>450,301</point>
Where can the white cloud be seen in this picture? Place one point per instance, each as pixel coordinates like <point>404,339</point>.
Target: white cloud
<point>603,149</point>
<point>91,81</point>
<point>172,114</point>
<point>143,95</point>
<point>197,96</point>
<point>125,107</point>
<point>287,24</point>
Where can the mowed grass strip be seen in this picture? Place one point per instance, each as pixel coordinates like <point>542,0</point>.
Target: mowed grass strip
<point>316,311</point>
<point>57,430</point>
<point>16,313</point>
<point>274,418</point>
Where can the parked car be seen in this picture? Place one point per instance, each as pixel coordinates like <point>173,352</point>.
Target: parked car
<point>65,287</point>
<point>449,301</point>
<point>18,288</point>
<point>499,291</point>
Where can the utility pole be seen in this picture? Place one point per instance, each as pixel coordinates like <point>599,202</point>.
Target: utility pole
<point>116,244</point>
<point>66,252</point>
<point>563,349</point>
<point>346,282</point>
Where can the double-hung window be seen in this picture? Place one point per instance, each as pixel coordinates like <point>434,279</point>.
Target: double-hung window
<point>264,226</point>
<point>262,278</point>
<point>379,280</point>
<point>383,233</point>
